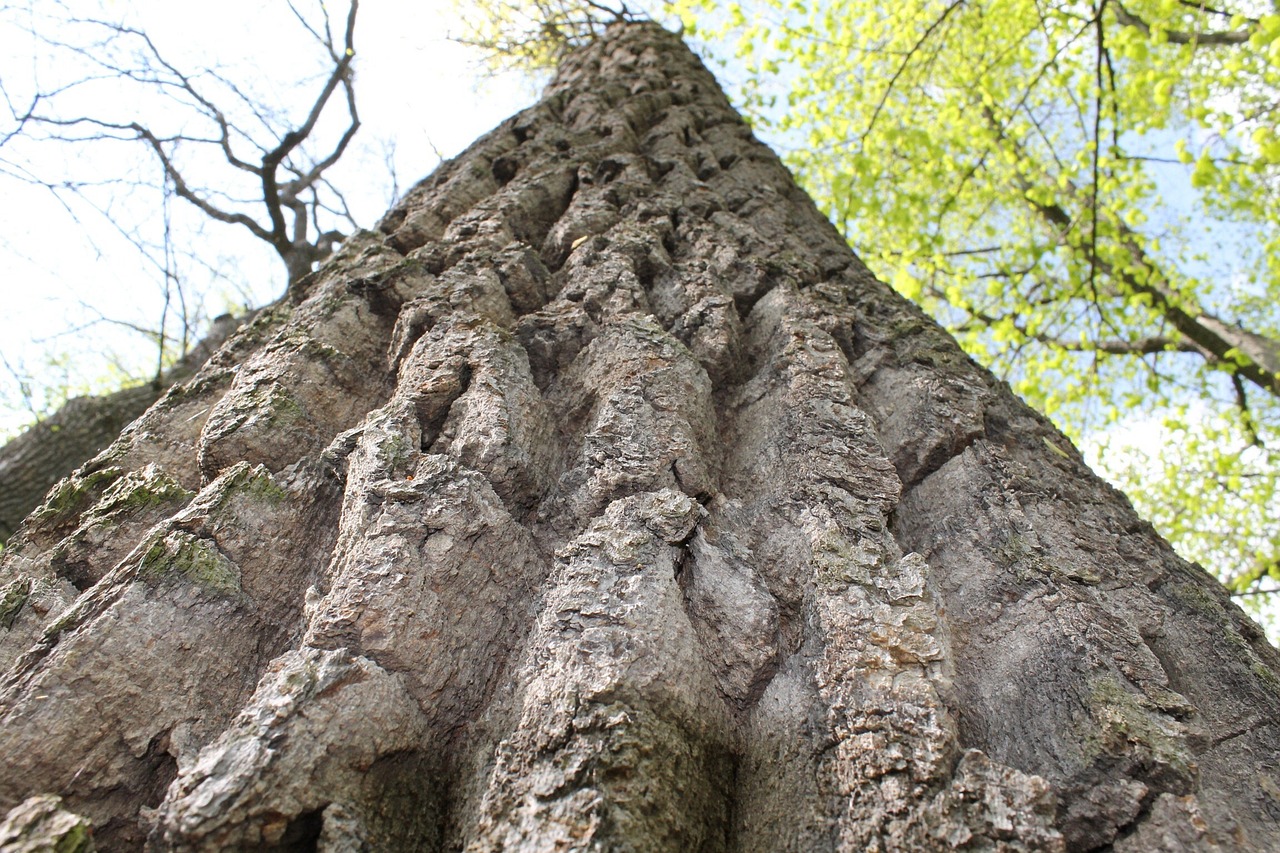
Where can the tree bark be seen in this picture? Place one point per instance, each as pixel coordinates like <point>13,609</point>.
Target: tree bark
<point>32,462</point>
<point>605,501</point>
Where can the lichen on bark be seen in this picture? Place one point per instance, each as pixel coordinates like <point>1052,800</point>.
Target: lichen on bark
<point>603,500</point>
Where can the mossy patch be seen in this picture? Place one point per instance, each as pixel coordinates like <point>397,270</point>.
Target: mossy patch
<point>1242,647</point>
<point>253,483</point>
<point>283,409</point>
<point>180,556</point>
<point>1201,599</point>
<point>73,495</point>
<point>837,562</point>
<point>909,325</point>
<point>394,452</point>
<point>65,620</point>
<point>41,823</point>
<point>205,383</point>
<point>1131,723</point>
<point>1265,674</point>
<point>1029,565</point>
<point>312,350</point>
<point>1198,599</point>
<point>936,354</point>
<point>135,492</point>
<point>77,838</point>
<point>12,599</point>
<point>330,300</point>
<point>264,489</point>
<point>267,321</point>
<point>405,268</point>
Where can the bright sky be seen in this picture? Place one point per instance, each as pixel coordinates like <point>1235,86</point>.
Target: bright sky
<point>418,94</point>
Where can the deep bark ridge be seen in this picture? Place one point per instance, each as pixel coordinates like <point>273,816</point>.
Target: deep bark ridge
<point>605,501</point>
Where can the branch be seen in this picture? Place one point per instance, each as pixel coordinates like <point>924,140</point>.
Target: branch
<point>278,196</point>
<point>272,193</point>
<point>183,83</point>
<point>1262,570</point>
<point>1234,349</point>
<point>1207,9</point>
<point>1239,351</point>
<point>1149,345</point>
<point>1211,38</point>
<point>185,192</point>
<point>906,60</point>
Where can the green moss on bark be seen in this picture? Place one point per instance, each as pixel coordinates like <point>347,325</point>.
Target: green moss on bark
<point>1129,722</point>
<point>73,495</point>
<point>12,599</point>
<point>179,555</point>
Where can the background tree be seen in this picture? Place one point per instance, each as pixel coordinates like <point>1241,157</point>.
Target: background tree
<point>220,145</point>
<point>1086,195</point>
<point>603,499</point>
<point>212,141</point>
<point>59,443</point>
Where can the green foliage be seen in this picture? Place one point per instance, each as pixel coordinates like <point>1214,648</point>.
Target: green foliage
<point>1085,194</point>
<point>533,34</point>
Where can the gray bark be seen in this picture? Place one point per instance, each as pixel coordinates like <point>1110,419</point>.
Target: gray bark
<point>604,501</point>
<point>49,450</point>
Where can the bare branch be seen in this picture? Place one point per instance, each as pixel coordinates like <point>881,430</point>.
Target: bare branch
<point>184,191</point>
<point>278,156</point>
<point>272,193</point>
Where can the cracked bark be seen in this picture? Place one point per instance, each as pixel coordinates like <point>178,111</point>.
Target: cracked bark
<point>604,501</point>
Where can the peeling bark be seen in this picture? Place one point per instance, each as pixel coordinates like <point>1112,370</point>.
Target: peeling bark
<point>603,500</point>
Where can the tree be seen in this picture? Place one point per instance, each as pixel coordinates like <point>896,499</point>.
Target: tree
<point>603,499</point>
<point>1084,193</point>
<point>219,146</point>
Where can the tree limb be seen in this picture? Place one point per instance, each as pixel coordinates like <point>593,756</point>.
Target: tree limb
<point>1230,347</point>
<point>272,193</point>
<point>1211,38</point>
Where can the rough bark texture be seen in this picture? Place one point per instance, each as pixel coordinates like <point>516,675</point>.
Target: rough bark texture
<point>41,456</point>
<point>605,501</point>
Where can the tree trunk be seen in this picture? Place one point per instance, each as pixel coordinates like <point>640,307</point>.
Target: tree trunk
<point>605,501</point>
<point>42,455</point>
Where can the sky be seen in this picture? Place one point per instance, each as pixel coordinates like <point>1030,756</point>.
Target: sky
<point>69,279</point>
